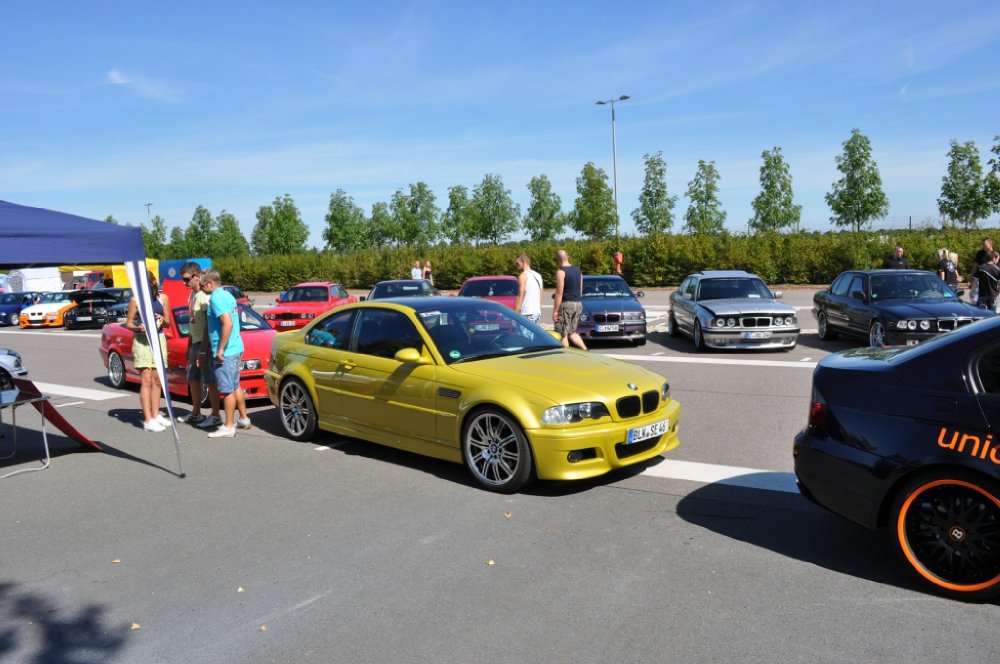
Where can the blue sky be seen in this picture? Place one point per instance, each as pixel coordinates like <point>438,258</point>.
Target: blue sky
<point>107,106</point>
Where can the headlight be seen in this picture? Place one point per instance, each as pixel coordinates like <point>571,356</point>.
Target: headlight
<point>584,318</point>
<point>719,322</point>
<point>269,316</point>
<point>249,365</point>
<point>634,315</point>
<point>730,322</point>
<point>925,325</point>
<point>574,412</point>
<point>778,320</point>
<point>307,315</point>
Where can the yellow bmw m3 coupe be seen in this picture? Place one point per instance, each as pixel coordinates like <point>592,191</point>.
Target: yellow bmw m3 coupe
<point>469,381</point>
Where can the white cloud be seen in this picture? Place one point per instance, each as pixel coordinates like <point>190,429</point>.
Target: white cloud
<point>147,88</point>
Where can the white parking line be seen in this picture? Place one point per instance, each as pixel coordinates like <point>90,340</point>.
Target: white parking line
<point>709,473</point>
<point>78,392</point>
<point>53,333</point>
<point>712,360</point>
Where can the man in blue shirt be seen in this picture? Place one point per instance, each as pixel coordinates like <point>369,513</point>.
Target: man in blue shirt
<point>223,337</point>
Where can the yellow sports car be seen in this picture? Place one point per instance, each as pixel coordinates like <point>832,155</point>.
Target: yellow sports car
<point>469,381</point>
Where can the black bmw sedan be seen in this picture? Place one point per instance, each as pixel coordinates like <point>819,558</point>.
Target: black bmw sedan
<point>890,307</point>
<point>905,439</point>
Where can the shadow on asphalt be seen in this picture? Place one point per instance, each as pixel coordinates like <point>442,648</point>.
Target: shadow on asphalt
<point>790,525</point>
<point>35,629</point>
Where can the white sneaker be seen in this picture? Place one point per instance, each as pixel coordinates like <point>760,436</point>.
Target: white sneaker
<point>209,422</point>
<point>223,432</point>
<point>191,419</point>
<point>243,423</point>
<point>163,419</point>
<point>153,425</point>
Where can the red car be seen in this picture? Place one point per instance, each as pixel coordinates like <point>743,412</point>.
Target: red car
<point>116,352</point>
<point>502,289</point>
<point>299,305</point>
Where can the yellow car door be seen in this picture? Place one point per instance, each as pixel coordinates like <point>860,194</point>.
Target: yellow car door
<point>327,345</point>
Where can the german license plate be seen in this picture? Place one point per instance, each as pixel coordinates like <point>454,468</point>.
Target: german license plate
<point>757,335</point>
<point>639,434</point>
<point>83,318</point>
<point>286,323</point>
<point>606,328</point>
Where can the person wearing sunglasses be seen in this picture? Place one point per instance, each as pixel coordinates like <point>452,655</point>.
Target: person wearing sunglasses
<point>199,374</point>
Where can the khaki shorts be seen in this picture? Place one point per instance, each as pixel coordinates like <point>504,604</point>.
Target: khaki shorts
<point>569,318</point>
<point>142,354</point>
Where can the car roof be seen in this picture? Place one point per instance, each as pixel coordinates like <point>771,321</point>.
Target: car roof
<point>889,270</point>
<point>306,284</point>
<point>603,276</point>
<point>725,273</point>
<point>506,277</point>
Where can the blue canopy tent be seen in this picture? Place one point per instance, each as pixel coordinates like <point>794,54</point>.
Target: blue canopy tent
<point>36,237</point>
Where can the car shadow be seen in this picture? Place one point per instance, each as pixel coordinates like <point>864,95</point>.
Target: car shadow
<point>790,525</point>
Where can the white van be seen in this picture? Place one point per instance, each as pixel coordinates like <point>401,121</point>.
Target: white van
<point>35,279</point>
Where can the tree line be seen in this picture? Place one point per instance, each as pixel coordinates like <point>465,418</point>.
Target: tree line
<point>488,215</point>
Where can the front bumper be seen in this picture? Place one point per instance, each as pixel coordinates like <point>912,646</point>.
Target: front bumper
<point>287,324</point>
<point>602,445</point>
<point>625,332</point>
<point>742,339</point>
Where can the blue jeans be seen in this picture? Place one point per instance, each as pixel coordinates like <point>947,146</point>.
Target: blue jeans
<point>227,373</point>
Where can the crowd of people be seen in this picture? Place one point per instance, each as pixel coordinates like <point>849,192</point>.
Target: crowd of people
<point>984,277</point>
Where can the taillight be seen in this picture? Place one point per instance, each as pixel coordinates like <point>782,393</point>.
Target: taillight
<point>818,410</point>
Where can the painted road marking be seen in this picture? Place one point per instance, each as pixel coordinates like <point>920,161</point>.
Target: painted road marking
<point>52,332</point>
<point>69,403</point>
<point>79,392</point>
<point>710,473</point>
<point>709,360</point>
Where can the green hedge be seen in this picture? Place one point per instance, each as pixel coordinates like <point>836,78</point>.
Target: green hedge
<point>661,260</point>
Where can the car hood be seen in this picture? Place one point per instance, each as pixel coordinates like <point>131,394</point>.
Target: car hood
<point>565,376</point>
<point>46,308</point>
<point>298,307</point>
<point>595,304</point>
<point>929,309</point>
<point>257,344</point>
<point>746,305</point>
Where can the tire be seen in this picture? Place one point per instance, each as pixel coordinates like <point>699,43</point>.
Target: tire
<point>640,342</point>
<point>496,451</point>
<point>13,319</point>
<point>672,326</point>
<point>116,370</point>
<point>825,333</point>
<point>699,338</point>
<point>296,410</point>
<point>876,334</point>
<point>945,527</point>
<point>6,383</point>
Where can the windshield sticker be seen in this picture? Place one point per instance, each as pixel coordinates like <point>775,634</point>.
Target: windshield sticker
<point>454,354</point>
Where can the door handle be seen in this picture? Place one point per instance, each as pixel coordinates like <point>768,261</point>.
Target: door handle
<point>347,364</point>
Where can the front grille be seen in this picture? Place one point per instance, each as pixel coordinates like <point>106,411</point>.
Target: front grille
<point>632,405</point>
<point>607,318</point>
<point>623,451</point>
<point>284,315</point>
<point>756,321</point>
<point>949,324</point>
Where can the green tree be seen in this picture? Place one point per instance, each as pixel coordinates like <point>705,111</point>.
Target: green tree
<point>593,213</point>
<point>456,222</point>
<point>178,245</point>
<point>381,226</point>
<point>705,214</point>
<point>774,209</point>
<point>200,233</point>
<point>494,216</point>
<point>415,216</point>
<point>345,223</point>
<point>857,198</point>
<point>111,220</point>
<point>655,212</point>
<point>228,240</point>
<point>992,182</point>
<point>154,239</point>
<point>544,220</point>
<point>279,229</point>
<point>963,192</point>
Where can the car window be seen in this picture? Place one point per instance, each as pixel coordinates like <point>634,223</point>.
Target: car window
<point>309,294</point>
<point>182,321</point>
<point>989,371</point>
<point>857,285</point>
<point>739,287</point>
<point>600,288</point>
<point>333,331</point>
<point>341,293</point>
<point>839,286</point>
<point>692,284</point>
<point>383,333</point>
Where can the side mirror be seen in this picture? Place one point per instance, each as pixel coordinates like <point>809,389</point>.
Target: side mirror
<point>858,295</point>
<point>411,356</point>
<point>688,297</point>
<point>640,294</point>
<point>779,294</point>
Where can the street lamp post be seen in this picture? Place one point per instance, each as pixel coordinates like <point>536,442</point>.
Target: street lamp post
<point>148,205</point>
<point>614,160</point>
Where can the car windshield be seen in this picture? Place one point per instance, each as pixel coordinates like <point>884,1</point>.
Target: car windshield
<point>388,289</point>
<point>734,287</point>
<point>909,285</point>
<point>54,297</point>
<point>489,288</point>
<point>306,294</point>
<point>601,288</point>
<point>250,320</point>
<point>465,330</point>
